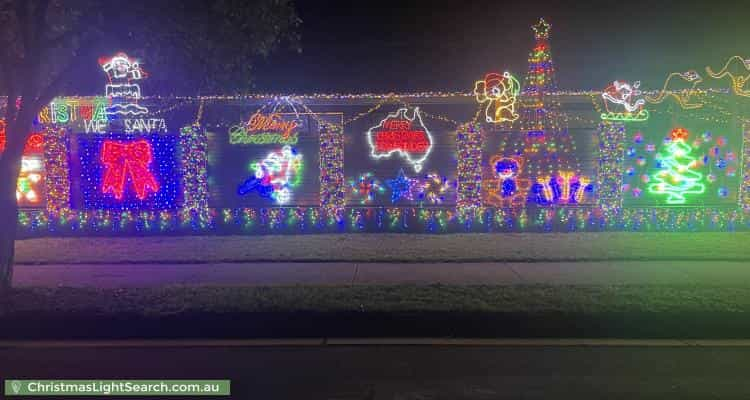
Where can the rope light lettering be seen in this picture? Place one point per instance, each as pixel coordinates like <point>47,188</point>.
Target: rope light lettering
<point>401,134</point>
<point>265,129</point>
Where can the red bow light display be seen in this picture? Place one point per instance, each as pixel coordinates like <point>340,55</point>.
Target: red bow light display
<point>123,158</point>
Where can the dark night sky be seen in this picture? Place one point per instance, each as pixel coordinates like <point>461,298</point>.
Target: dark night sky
<point>381,46</point>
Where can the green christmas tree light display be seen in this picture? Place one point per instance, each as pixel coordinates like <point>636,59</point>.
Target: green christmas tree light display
<point>677,176</point>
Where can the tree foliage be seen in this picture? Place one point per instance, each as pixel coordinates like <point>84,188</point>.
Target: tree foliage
<point>50,48</point>
<point>190,47</point>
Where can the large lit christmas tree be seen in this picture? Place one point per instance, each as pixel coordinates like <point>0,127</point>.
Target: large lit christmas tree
<point>677,176</point>
<point>541,135</point>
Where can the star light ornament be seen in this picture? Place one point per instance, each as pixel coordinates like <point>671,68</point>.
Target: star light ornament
<point>401,187</point>
<point>403,135</point>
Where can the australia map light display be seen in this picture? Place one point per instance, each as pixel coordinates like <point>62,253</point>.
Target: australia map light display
<point>401,135</point>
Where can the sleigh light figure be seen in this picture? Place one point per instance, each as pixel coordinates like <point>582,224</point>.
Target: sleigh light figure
<point>623,103</point>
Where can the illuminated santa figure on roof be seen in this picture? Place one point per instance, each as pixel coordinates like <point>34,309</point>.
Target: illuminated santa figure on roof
<point>122,71</point>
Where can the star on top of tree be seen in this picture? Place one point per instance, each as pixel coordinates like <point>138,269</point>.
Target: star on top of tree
<point>541,29</point>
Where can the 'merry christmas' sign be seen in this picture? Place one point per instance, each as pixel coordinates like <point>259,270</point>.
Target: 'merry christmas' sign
<point>265,129</point>
<point>401,134</point>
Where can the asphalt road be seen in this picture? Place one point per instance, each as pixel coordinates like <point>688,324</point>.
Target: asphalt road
<point>413,372</point>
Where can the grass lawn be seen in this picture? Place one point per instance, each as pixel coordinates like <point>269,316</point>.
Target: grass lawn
<point>395,311</point>
<point>709,246</point>
<point>650,311</point>
<point>178,300</point>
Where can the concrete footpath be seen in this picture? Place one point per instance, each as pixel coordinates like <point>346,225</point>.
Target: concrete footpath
<point>348,273</point>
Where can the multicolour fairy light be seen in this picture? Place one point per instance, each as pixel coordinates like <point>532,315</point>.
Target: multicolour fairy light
<point>195,169</point>
<point>332,184</point>
<point>544,144</point>
<point>543,140</point>
<point>469,175</point>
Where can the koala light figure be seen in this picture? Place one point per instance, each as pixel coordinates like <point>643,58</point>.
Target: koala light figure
<point>500,93</point>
